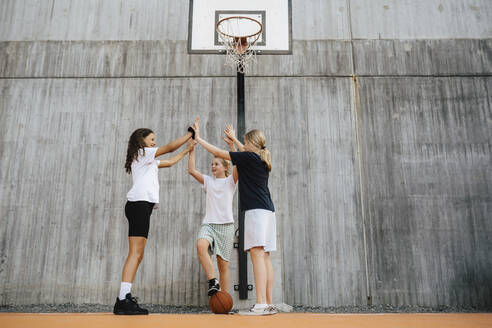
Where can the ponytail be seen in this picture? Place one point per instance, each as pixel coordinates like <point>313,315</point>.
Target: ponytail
<point>265,157</point>
<point>257,139</point>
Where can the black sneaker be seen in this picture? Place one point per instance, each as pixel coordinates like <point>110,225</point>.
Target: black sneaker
<point>128,306</point>
<point>213,286</point>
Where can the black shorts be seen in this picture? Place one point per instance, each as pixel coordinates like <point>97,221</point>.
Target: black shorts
<point>138,215</point>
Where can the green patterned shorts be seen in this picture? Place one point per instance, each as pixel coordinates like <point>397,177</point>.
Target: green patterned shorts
<point>220,237</point>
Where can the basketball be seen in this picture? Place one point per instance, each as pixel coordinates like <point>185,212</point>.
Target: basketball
<point>220,302</point>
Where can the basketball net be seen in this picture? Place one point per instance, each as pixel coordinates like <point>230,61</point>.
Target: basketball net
<point>238,34</point>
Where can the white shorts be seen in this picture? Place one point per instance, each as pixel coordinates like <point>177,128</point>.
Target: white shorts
<point>260,230</point>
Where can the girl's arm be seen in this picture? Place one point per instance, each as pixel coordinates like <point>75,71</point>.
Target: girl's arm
<point>230,143</point>
<point>173,160</point>
<point>231,134</point>
<point>234,174</point>
<point>210,148</point>
<point>217,152</point>
<point>173,145</point>
<point>191,167</point>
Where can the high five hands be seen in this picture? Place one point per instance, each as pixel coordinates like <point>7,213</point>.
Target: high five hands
<point>229,136</point>
<point>196,127</point>
<point>191,145</point>
<point>230,133</point>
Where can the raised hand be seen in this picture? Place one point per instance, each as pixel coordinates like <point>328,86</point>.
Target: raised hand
<point>230,143</point>
<point>191,145</point>
<point>228,140</point>
<point>229,132</point>
<point>196,126</point>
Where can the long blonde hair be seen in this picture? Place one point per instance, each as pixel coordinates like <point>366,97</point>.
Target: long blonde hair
<point>257,139</point>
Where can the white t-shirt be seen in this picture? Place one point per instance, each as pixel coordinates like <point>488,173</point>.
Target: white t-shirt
<point>145,181</point>
<point>220,193</point>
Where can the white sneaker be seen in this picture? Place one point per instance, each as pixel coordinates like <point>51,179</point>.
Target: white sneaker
<point>272,309</point>
<point>255,311</point>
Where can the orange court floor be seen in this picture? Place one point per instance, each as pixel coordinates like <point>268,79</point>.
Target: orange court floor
<point>281,320</point>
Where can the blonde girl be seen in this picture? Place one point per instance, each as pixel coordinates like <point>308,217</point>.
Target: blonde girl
<point>253,166</point>
<point>216,233</point>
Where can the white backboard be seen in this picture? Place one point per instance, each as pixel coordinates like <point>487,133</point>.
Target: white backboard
<point>274,15</point>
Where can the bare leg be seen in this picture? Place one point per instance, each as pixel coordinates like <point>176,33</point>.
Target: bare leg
<point>202,251</point>
<point>223,273</point>
<point>135,255</point>
<point>269,282</point>
<point>259,270</point>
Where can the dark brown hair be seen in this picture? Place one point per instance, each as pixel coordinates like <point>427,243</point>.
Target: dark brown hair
<point>135,143</point>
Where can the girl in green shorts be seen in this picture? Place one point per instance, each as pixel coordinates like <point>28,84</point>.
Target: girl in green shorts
<point>253,164</point>
<point>217,231</point>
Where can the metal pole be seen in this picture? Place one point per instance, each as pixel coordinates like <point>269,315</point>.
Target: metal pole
<point>243,256</point>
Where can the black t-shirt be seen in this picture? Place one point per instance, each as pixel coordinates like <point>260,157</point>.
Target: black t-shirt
<point>253,181</point>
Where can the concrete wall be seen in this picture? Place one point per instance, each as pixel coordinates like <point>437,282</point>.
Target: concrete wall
<point>63,188</point>
<point>382,182</point>
<point>314,184</point>
<point>90,20</point>
<point>427,167</point>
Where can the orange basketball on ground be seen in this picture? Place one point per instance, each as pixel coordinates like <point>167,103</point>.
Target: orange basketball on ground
<point>220,302</point>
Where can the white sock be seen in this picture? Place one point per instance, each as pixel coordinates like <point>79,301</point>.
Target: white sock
<point>125,288</point>
<point>260,306</point>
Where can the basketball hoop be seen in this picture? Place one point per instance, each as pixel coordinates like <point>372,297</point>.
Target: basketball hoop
<point>238,34</point>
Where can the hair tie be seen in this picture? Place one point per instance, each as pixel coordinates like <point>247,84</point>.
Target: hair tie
<point>263,147</point>
<point>190,129</point>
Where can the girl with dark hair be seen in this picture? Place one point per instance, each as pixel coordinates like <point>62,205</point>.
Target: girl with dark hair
<point>142,198</point>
